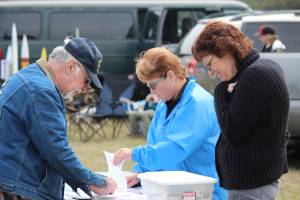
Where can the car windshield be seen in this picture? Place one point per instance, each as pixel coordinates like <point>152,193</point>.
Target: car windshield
<point>185,45</point>
<point>289,38</point>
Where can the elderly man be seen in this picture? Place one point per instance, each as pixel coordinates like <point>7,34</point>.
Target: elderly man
<point>35,156</point>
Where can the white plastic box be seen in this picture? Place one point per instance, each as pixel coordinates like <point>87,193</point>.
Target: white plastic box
<point>176,185</point>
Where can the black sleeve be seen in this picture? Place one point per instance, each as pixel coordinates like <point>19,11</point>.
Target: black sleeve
<point>238,112</point>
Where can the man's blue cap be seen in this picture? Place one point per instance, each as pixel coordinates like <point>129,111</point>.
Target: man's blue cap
<point>87,53</point>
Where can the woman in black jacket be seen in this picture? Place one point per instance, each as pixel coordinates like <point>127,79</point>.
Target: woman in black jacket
<point>252,105</point>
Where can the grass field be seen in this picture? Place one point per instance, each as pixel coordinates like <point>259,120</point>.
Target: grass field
<point>91,154</point>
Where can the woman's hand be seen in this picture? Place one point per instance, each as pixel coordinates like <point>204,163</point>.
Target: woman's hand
<point>132,179</point>
<point>110,187</point>
<point>231,87</point>
<point>122,154</point>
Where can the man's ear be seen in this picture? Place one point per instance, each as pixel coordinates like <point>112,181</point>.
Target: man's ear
<point>70,66</point>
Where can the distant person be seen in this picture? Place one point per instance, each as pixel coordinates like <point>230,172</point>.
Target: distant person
<point>269,39</point>
<point>184,130</point>
<point>252,106</point>
<point>140,115</point>
<point>35,156</point>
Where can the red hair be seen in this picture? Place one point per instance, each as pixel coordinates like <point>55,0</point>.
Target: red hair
<point>220,38</point>
<point>157,62</point>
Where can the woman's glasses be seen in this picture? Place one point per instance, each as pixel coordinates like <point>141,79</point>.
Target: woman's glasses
<point>153,84</point>
<point>207,67</point>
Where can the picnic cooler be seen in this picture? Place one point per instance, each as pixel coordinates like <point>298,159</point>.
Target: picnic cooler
<point>176,185</point>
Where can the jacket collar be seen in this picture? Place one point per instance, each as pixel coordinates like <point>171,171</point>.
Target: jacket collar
<point>48,71</point>
<point>244,63</point>
<point>46,68</point>
<point>248,60</point>
<point>184,98</point>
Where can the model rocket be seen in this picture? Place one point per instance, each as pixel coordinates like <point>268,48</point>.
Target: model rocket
<point>8,63</point>
<point>14,49</point>
<point>44,55</point>
<point>24,52</point>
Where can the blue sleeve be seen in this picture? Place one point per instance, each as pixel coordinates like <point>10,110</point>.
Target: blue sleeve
<point>150,140</point>
<point>138,168</point>
<point>188,130</point>
<point>46,127</point>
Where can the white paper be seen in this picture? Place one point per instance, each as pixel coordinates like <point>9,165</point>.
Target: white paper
<point>130,194</point>
<point>115,172</point>
<point>136,190</point>
<point>70,194</point>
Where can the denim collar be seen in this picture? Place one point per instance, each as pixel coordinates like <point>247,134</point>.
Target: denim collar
<point>48,71</point>
<point>46,68</point>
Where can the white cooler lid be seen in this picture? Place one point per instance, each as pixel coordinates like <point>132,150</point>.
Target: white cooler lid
<point>175,178</point>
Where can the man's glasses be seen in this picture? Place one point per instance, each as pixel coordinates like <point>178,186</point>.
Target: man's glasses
<point>87,81</point>
<point>99,65</point>
<point>153,84</point>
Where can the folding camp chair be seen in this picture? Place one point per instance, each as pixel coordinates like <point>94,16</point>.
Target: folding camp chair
<point>109,111</point>
<point>79,106</point>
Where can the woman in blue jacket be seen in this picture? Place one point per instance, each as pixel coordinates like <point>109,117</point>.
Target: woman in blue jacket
<point>184,130</point>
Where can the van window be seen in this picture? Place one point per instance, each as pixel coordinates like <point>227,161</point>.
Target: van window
<point>26,22</point>
<point>200,14</point>
<point>151,25</point>
<point>141,18</point>
<point>289,38</point>
<point>177,24</point>
<point>93,25</point>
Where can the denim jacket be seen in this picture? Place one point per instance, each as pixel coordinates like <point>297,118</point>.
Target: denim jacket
<point>35,156</point>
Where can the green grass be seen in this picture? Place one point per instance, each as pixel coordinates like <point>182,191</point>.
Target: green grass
<point>290,182</point>
<point>91,155</point>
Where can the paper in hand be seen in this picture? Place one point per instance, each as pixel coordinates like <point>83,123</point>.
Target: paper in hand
<point>115,172</point>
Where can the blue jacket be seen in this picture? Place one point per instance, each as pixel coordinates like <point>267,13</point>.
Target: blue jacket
<point>185,140</point>
<point>35,156</point>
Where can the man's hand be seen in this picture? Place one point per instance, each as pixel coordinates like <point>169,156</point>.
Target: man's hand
<point>132,179</point>
<point>122,154</point>
<point>111,186</point>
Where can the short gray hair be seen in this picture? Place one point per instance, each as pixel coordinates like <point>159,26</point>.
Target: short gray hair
<point>60,55</point>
